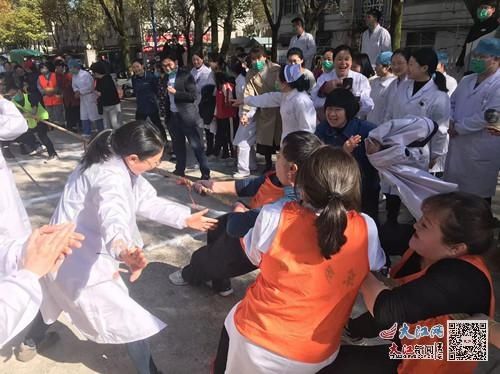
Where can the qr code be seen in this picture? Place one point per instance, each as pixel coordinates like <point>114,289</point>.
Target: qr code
<point>467,340</point>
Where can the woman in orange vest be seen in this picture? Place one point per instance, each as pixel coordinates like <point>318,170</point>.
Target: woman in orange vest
<point>51,92</point>
<point>223,257</point>
<point>313,256</point>
<point>441,274</point>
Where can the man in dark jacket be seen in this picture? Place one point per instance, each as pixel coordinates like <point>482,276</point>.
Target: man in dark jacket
<point>182,115</point>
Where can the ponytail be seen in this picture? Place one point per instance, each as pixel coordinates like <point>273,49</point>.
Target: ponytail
<point>440,81</point>
<point>331,224</point>
<point>98,150</point>
<point>140,138</point>
<point>330,182</point>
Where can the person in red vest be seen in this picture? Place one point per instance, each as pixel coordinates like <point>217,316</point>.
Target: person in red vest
<point>441,275</point>
<point>51,93</point>
<point>313,256</point>
<point>71,103</point>
<point>225,115</point>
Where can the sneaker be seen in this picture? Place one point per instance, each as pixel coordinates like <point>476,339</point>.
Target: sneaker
<point>52,158</point>
<point>226,293</point>
<point>205,177</point>
<point>240,175</point>
<point>25,353</point>
<point>38,150</point>
<point>176,278</point>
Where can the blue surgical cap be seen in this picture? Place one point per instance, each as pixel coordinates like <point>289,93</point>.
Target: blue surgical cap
<point>488,47</point>
<point>443,57</point>
<point>384,58</point>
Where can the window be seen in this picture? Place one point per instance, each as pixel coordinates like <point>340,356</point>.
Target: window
<point>290,7</point>
<point>416,40</point>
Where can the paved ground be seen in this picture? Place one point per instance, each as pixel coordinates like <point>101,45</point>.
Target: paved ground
<point>194,315</point>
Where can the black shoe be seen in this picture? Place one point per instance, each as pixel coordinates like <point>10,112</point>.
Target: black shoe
<point>179,173</point>
<point>205,177</point>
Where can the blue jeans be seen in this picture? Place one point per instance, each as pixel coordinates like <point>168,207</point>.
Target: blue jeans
<point>180,132</point>
<point>87,126</point>
<point>140,354</point>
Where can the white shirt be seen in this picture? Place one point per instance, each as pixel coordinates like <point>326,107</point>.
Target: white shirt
<point>451,84</point>
<point>202,77</point>
<point>260,238</point>
<point>373,43</point>
<point>360,88</point>
<point>296,109</point>
<point>20,298</point>
<point>84,84</point>
<point>428,102</point>
<point>104,202</point>
<point>307,45</point>
<point>380,88</point>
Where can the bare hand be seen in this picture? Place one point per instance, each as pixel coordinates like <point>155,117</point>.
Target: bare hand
<point>203,187</point>
<point>240,208</point>
<point>244,120</point>
<point>493,131</point>
<point>372,146</point>
<point>329,86</point>
<point>352,143</point>
<point>236,102</point>
<point>77,95</point>
<point>197,221</point>
<point>171,90</point>
<point>135,260</point>
<point>47,248</point>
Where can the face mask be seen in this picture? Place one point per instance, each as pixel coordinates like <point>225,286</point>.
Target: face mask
<point>327,65</point>
<point>482,14</point>
<point>171,73</point>
<point>259,65</point>
<point>477,65</point>
<point>44,71</point>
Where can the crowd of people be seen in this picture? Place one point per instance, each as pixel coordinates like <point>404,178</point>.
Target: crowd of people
<point>363,127</point>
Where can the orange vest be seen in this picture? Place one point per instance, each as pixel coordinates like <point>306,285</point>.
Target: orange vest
<point>438,366</point>
<point>300,301</point>
<point>267,193</point>
<point>53,99</point>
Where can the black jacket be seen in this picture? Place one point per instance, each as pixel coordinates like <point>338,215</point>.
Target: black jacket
<point>185,97</point>
<point>109,94</point>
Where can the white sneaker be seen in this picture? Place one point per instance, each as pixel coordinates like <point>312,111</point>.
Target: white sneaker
<point>226,293</point>
<point>176,278</point>
<point>240,175</point>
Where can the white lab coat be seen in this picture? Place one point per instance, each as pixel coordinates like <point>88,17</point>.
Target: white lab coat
<point>375,43</point>
<point>394,90</point>
<point>380,89</point>
<point>15,225</point>
<point>20,298</point>
<point>307,44</point>
<point>84,84</point>
<point>202,77</point>
<point>103,201</point>
<point>296,109</point>
<point>405,168</point>
<point>427,102</point>
<point>360,87</point>
<point>451,84</point>
<point>474,156</point>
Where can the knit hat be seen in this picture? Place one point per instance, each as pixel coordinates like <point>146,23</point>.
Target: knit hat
<point>343,98</point>
<point>488,47</point>
<point>384,58</point>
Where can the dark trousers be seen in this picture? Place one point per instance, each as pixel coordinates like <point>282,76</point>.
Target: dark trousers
<point>155,120</point>
<point>222,258</point>
<point>72,114</point>
<point>362,359</point>
<point>180,132</point>
<point>392,205</point>
<point>36,332</point>
<point>209,137</point>
<point>369,202</point>
<point>41,130</point>
<point>220,361</point>
<point>223,138</point>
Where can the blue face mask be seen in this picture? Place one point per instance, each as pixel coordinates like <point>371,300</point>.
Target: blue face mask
<point>172,73</point>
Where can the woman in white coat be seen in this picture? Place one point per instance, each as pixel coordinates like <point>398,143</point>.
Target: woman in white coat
<point>15,225</point>
<point>341,76</point>
<point>399,67</point>
<point>296,108</point>
<point>103,196</point>
<point>424,94</point>
<point>380,87</point>
<point>474,156</point>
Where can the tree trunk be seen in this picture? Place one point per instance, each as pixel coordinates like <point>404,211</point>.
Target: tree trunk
<point>274,47</point>
<point>228,27</point>
<point>125,51</point>
<point>396,23</point>
<point>213,12</point>
<point>200,9</point>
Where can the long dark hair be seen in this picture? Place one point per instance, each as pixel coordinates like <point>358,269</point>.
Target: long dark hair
<point>464,218</point>
<point>427,56</point>
<point>139,138</point>
<point>301,84</point>
<point>363,60</point>
<point>330,181</point>
<point>298,146</point>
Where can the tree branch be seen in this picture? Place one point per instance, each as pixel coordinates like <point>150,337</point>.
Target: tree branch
<point>109,15</point>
